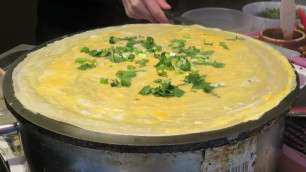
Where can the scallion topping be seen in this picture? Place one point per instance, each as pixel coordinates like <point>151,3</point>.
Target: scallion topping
<point>181,60</point>
<point>164,90</point>
<point>222,44</point>
<point>103,80</point>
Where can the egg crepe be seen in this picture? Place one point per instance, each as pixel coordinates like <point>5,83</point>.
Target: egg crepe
<point>153,79</point>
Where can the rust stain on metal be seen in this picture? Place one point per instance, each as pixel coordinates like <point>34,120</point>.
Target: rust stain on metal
<point>141,160</point>
<point>234,157</point>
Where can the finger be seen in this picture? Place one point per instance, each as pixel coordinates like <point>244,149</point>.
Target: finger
<point>156,11</point>
<point>129,10</point>
<point>126,6</point>
<point>138,10</point>
<point>163,4</point>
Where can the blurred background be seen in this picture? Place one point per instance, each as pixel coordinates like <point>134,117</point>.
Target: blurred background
<point>36,21</point>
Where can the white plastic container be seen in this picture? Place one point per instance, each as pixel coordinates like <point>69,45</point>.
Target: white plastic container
<point>260,23</point>
<point>223,18</point>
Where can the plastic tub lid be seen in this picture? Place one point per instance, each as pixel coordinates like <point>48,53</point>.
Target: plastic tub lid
<point>223,18</point>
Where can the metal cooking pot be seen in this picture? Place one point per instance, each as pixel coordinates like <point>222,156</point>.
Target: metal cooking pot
<point>51,145</point>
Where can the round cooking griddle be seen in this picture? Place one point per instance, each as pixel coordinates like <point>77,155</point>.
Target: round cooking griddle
<point>53,127</point>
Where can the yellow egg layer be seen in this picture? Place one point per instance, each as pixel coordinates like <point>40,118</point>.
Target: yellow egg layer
<point>255,79</point>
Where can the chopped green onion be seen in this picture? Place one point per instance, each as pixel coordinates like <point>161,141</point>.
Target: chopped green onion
<point>234,39</point>
<point>142,62</point>
<point>205,53</point>
<point>142,55</point>
<point>208,43</point>
<point>85,50</point>
<point>125,81</point>
<point>115,83</point>
<point>194,69</point>
<point>158,81</point>
<point>81,60</point>
<point>126,73</point>
<point>130,67</point>
<point>86,66</point>
<point>164,90</point>
<point>162,73</point>
<point>113,40</point>
<point>103,80</point>
<point>187,36</point>
<point>145,90</point>
<point>222,44</point>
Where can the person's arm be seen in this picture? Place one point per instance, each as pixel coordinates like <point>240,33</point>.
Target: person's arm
<point>151,10</point>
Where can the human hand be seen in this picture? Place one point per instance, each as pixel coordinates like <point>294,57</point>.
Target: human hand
<point>151,10</point>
